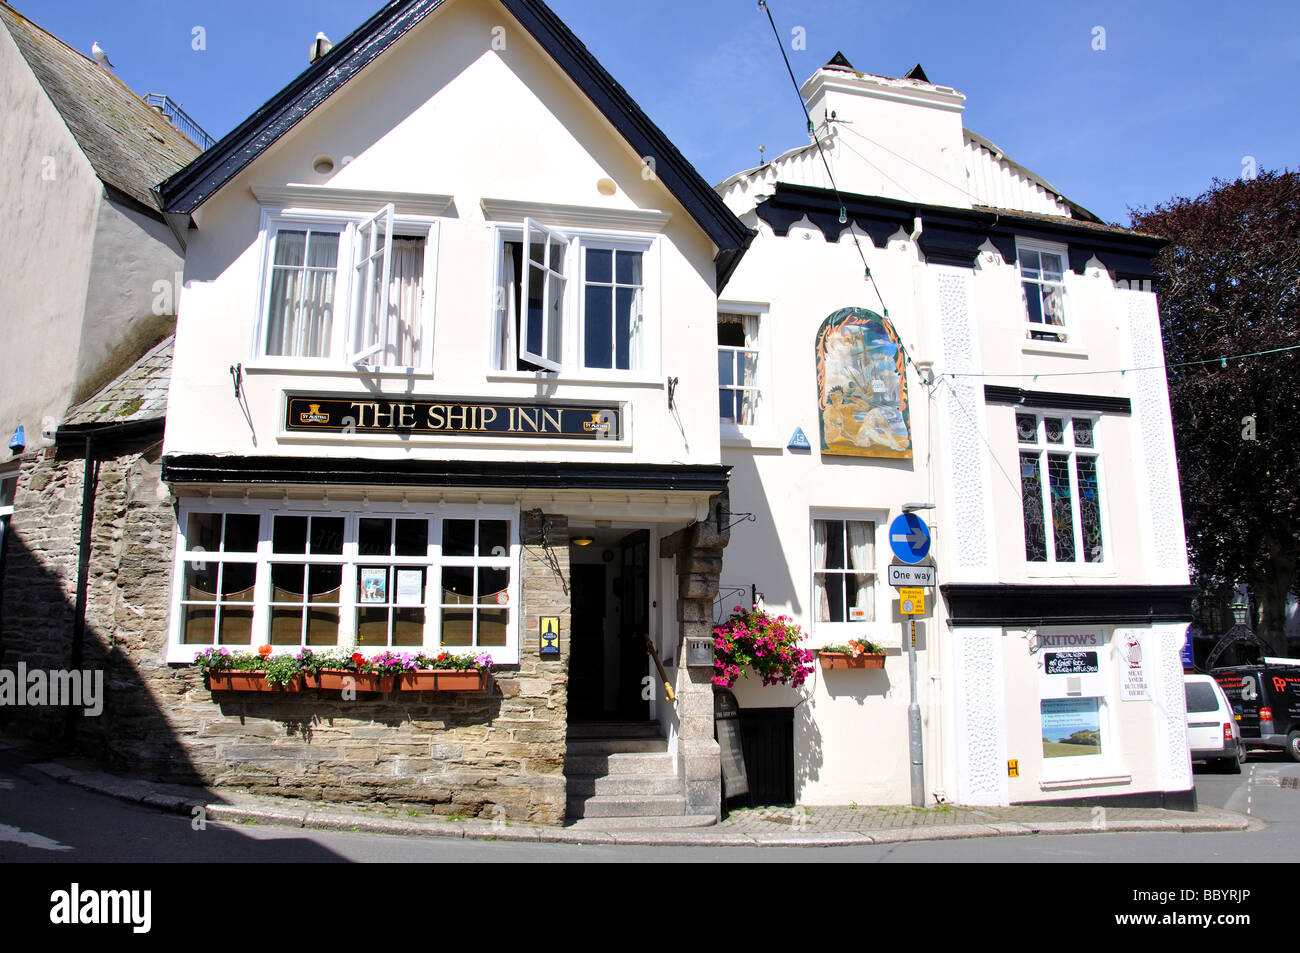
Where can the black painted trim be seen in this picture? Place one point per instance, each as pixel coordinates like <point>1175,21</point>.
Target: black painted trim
<point>196,183</point>
<point>1006,604</point>
<point>953,236</point>
<point>124,430</point>
<point>999,394</point>
<point>324,471</point>
<point>1169,800</point>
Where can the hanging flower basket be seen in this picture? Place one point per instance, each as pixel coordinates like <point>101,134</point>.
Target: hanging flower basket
<point>832,660</point>
<point>752,639</point>
<point>443,681</point>
<point>249,682</point>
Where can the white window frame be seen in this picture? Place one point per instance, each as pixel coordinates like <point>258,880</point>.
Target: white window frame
<point>348,225</point>
<point>571,366</point>
<point>762,377</point>
<point>1066,447</point>
<point>877,630</point>
<point>351,561</point>
<point>1066,329</point>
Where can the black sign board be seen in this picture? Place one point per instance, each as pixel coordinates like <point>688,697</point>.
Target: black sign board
<point>726,728</point>
<point>1071,663</point>
<point>457,418</point>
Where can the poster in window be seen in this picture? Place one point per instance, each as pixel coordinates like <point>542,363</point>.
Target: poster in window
<point>374,585</point>
<point>1071,727</point>
<point>862,387</point>
<point>410,587</point>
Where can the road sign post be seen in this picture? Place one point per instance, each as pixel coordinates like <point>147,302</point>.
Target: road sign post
<point>909,538</point>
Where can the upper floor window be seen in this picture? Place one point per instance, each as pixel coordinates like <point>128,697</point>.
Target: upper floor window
<point>1042,283</point>
<point>740,394</point>
<point>1060,488</point>
<point>343,290</point>
<point>573,303</point>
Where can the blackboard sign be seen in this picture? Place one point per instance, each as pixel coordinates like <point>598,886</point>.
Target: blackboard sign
<point>1071,663</point>
<point>726,728</point>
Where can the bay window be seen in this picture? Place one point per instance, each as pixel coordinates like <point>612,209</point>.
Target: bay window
<point>296,578</point>
<point>570,302</point>
<point>337,288</point>
<point>1060,488</point>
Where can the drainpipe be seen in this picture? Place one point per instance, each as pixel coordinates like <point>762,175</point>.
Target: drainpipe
<point>89,484</point>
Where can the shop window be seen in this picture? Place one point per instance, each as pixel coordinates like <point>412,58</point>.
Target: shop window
<point>341,289</point>
<point>844,570</point>
<point>572,303</point>
<point>294,579</point>
<point>1074,682</point>
<point>1060,488</point>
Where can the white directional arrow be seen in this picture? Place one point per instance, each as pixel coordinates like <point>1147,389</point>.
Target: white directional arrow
<point>916,538</point>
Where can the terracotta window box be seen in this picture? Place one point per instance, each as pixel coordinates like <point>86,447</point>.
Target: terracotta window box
<point>335,681</point>
<point>832,660</point>
<point>464,680</point>
<point>249,682</point>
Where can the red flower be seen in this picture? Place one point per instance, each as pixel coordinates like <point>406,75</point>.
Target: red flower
<point>357,658</point>
<point>264,650</point>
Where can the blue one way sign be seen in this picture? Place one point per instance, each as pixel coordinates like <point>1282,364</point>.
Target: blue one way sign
<point>909,538</point>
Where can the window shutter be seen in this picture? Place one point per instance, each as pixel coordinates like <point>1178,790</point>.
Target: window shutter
<point>372,273</point>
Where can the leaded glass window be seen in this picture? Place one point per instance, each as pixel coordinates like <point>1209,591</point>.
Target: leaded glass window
<point>1060,489</point>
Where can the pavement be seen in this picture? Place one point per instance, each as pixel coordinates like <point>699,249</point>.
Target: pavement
<point>808,826</point>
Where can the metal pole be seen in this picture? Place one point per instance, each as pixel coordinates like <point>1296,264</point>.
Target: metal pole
<point>914,723</point>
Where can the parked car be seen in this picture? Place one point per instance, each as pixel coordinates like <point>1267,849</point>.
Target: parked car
<point>1266,697</point>
<point>1212,732</point>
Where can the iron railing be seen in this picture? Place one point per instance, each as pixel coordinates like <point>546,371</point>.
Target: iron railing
<point>178,118</point>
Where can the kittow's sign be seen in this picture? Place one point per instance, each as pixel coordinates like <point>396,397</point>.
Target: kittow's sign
<point>456,418</point>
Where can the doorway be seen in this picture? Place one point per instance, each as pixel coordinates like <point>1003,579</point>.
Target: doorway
<point>610,619</point>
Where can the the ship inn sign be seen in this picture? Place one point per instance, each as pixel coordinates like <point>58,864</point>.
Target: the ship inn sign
<point>450,417</point>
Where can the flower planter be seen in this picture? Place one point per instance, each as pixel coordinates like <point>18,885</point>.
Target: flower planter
<point>249,682</point>
<point>361,681</point>
<point>466,680</point>
<point>831,660</point>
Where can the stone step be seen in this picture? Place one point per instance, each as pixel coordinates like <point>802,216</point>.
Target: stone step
<point>617,805</point>
<point>593,746</point>
<point>627,762</point>
<point>614,729</point>
<point>639,823</point>
<point>624,784</point>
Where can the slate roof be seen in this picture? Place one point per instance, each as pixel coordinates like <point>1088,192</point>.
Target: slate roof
<point>138,393</point>
<point>130,146</point>
<point>191,187</point>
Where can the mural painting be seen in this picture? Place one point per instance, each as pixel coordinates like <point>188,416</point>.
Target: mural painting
<point>862,387</point>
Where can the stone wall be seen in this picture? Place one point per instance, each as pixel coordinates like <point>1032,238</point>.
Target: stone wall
<point>496,754</point>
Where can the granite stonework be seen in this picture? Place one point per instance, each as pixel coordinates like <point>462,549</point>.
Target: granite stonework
<point>494,754</point>
<point>697,554</point>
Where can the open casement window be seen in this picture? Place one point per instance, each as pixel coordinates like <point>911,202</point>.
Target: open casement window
<point>541,340</point>
<point>372,271</point>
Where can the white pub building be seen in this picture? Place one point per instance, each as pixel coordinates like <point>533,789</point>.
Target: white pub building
<point>469,357</point>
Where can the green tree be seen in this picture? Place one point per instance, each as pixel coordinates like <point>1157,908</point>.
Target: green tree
<point>1229,284</point>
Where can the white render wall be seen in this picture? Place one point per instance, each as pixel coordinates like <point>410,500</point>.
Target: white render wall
<point>443,113</point>
<point>49,198</point>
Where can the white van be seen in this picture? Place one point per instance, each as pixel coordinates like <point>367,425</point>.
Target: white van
<point>1212,732</point>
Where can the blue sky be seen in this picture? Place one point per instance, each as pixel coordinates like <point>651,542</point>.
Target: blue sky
<point>1183,91</point>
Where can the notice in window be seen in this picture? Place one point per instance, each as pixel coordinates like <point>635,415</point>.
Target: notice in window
<point>1070,663</point>
<point>374,585</point>
<point>1071,727</point>
<point>1133,683</point>
<point>410,587</point>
